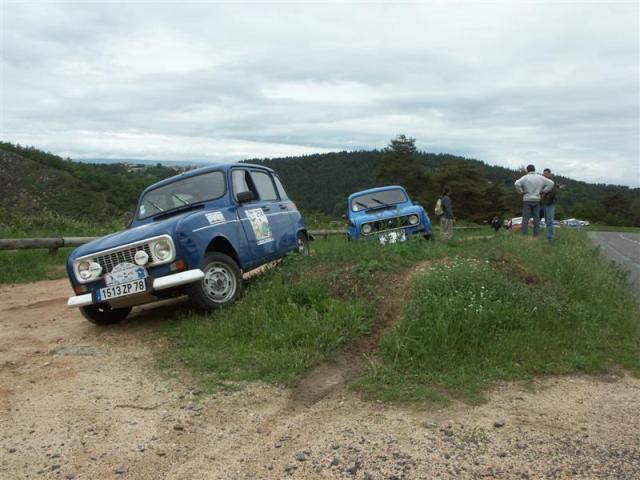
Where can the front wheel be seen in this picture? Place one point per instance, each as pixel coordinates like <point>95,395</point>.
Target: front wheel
<point>428,236</point>
<point>302,243</point>
<point>221,285</point>
<point>103,314</point>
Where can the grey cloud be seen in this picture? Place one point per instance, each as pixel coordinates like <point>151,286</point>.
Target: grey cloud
<point>501,82</point>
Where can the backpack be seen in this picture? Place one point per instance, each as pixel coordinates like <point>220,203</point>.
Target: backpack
<point>438,210</point>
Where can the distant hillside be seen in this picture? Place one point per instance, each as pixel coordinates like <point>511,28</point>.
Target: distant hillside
<point>322,183</point>
<point>35,182</point>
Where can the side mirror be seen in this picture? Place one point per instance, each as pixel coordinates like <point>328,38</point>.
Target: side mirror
<point>244,197</point>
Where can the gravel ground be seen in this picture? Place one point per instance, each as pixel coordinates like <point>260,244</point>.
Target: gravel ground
<point>78,401</point>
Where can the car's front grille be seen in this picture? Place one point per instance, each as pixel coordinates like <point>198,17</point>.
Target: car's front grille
<point>111,259</point>
<point>390,224</point>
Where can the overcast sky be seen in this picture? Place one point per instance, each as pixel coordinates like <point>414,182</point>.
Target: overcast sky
<point>550,83</point>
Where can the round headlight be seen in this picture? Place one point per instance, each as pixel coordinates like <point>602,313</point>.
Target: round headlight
<point>95,269</point>
<point>141,257</point>
<point>162,250</point>
<point>84,270</point>
<point>413,219</point>
<point>366,228</point>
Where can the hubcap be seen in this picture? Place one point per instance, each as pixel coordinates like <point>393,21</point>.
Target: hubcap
<point>302,247</point>
<point>219,283</point>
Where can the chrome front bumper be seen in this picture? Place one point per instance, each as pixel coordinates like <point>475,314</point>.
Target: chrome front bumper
<point>160,283</point>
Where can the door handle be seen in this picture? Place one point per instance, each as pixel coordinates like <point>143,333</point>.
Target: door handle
<point>283,206</point>
<point>266,209</point>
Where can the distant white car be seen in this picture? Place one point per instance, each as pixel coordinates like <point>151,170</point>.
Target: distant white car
<point>516,223</point>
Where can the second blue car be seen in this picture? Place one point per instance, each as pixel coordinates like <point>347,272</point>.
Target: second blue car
<point>386,214</point>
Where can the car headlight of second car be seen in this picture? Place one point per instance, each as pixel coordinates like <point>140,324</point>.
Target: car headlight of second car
<point>366,228</point>
<point>413,220</point>
<point>162,250</point>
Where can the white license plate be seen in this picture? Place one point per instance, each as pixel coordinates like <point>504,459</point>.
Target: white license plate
<point>120,290</point>
<point>392,237</point>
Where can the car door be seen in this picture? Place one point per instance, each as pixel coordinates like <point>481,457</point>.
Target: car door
<point>262,232</point>
<point>289,213</point>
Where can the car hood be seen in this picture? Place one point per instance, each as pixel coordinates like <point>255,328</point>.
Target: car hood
<point>375,215</point>
<point>130,235</point>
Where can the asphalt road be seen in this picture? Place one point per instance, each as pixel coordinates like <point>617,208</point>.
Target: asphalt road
<point>623,248</point>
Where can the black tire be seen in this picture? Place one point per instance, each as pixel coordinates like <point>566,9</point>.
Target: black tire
<point>428,237</point>
<point>221,285</point>
<point>302,243</point>
<point>103,314</point>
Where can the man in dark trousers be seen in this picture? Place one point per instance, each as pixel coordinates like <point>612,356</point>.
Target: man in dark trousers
<point>549,200</point>
<point>447,218</point>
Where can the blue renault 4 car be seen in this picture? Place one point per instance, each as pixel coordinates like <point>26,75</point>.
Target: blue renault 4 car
<point>195,233</point>
<point>386,214</point>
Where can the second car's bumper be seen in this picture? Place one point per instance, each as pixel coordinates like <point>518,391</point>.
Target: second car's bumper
<point>160,283</point>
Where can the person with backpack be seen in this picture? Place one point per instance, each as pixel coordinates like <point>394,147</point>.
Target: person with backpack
<point>444,209</point>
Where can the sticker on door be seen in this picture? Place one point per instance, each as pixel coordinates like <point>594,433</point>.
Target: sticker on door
<point>260,225</point>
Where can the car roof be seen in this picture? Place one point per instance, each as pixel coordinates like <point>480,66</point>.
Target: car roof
<point>224,167</point>
<point>377,189</point>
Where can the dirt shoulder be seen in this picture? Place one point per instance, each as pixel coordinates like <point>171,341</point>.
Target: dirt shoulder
<point>78,401</point>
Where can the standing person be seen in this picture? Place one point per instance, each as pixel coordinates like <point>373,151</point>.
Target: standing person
<point>549,200</point>
<point>496,223</point>
<point>532,186</point>
<point>447,218</point>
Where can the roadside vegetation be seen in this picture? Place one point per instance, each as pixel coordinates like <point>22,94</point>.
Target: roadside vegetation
<point>480,310</point>
<point>19,266</point>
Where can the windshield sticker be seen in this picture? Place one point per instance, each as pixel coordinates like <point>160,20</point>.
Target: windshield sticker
<point>214,217</point>
<point>260,225</point>
<point>142,210</point>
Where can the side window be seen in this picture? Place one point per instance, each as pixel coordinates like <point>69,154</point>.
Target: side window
<point>242,182</point>
<point>281,192</point>
<point>264,186</point>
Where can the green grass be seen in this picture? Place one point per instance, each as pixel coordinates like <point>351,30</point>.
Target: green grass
<point>20,266</point>
<point>290,318</point>
<point>522,308</point>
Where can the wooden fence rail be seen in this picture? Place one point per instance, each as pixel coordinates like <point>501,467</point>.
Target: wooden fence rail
<point>53,244</point>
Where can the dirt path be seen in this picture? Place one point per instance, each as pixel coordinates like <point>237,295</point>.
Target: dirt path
<point>78,401</point>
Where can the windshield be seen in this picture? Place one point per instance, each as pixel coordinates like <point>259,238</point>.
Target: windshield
<point>182,193</point>
<point>378,199</point>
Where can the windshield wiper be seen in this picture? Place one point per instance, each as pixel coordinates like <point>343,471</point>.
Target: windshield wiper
<point>156,206</point>
<point>184,202</point>
<point>174,211</point>
<point>381,202</point>
<point>361,204</point>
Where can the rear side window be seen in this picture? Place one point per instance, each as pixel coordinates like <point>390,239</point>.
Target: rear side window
<point>281,192</point>
<point>264,185</point>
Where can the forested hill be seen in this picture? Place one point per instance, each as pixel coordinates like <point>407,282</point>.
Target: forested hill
<point>34,182</point>
<point>322,183</point>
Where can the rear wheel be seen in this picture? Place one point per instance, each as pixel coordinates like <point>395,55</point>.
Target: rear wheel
<point>221,285</point>
<point>103,314</point>
<point>303,244</point>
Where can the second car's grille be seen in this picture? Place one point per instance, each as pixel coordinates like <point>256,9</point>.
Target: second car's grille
<point>110,260</point>
<point>390,223</point>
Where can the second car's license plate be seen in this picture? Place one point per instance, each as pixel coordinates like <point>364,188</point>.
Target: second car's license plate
<point>120,290</point>
<point>392,237</point>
